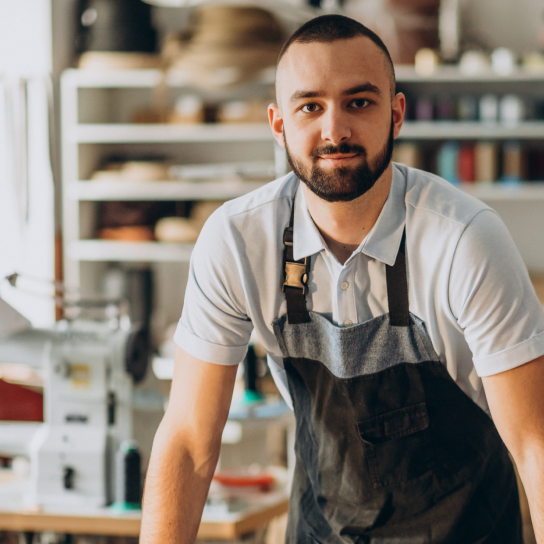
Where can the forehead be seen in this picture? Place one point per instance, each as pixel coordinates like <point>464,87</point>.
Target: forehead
<point>332,66</point>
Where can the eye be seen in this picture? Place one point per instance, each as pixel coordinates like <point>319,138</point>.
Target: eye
<point>359,103</point>
<point>310,108</point>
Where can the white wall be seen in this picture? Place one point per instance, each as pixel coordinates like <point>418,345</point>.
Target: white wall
<point>503,23</point>
<point>25,36</point>
<point>26,226</point>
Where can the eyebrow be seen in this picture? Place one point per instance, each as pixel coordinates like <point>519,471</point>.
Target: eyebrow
<point>362,88</point>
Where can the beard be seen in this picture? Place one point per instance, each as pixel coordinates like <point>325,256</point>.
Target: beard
<point>342,184</point>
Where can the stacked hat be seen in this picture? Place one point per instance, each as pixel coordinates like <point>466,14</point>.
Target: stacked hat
<point>230,45</point>
<point>115,34</point>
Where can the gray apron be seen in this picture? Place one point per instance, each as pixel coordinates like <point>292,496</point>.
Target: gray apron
<point>389,450</point>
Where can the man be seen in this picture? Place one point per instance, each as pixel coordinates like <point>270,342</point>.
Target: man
<point>384,298</point>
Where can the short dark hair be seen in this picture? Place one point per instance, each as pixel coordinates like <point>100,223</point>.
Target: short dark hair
<point>330,28</point>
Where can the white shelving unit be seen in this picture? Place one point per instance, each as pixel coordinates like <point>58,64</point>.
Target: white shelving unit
<point>85,143</point>
<point>451,74</point>
<point>143,133</point>
<point>521,206</point>
<point>457,130</point>
<point>413,130</point>
<point>498,192</point>
<point>87,190</point>
<point>106,250</point>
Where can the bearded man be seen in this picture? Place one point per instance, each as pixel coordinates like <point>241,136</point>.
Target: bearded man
<point>396,314</point>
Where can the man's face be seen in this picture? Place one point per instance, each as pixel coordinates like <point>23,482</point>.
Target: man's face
<point>335,115</point>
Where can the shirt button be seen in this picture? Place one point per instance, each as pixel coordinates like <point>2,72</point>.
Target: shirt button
<point>344,285</point>
<point>348,323</point>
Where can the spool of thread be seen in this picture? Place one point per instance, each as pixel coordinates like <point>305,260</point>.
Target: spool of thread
<point>485,161</point>
<point>426,62</point>
<point>446,162</point>
<point>407,153</point>
<point>468,108</point>
<point>128,477</point>
<point>503,61</point>
<point>473,63</point>
<point>465,166</point>
<point>535,163</point>
<point>252,394</point>
<point>512,161</point>
<point>424,110</point>
<point>489,108</point>
<point>512,109</point>
<point>445,109</point>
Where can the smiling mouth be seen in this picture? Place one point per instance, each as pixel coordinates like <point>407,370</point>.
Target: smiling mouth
<point>338,157</point>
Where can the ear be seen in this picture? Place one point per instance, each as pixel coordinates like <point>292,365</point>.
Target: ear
<point>398,109</point>
<point>276,123</point>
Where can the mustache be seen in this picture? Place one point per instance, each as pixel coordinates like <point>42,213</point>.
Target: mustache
<point>340,149</point>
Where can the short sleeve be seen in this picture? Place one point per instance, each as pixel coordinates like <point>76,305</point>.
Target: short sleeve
<point>493,299</point>
<point>214,325</point>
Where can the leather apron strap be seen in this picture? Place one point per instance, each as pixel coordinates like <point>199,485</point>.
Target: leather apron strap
<point>397,288</point>
<point>296,273</point>
<point>295,282</point>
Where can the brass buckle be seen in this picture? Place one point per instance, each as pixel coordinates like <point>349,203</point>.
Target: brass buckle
<point>296,275</point>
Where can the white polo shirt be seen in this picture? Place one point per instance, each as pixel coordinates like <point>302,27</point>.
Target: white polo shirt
<point>467,281</point>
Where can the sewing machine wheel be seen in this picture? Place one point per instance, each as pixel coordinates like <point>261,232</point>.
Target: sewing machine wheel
<point>137,353</point>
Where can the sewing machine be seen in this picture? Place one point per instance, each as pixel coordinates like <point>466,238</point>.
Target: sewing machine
<point>88,368</point>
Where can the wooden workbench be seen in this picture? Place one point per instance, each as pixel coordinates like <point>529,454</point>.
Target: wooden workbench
<point>263,507</point>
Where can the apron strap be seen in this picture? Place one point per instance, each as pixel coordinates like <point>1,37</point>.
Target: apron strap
<point>296,275</point>
<point>397,288</point>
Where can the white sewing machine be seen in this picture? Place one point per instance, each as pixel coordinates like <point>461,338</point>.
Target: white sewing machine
<point>88,369</point>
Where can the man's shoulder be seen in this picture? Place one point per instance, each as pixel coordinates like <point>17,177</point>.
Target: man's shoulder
<point>430,196</point>
<point>253,220</point>
<point>266,197</point>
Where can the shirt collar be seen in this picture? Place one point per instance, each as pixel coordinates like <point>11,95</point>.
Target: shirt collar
<point>382,242</point>
<point>307,239</point>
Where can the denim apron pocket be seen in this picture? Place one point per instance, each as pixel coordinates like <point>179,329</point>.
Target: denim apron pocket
<point>397,445</point>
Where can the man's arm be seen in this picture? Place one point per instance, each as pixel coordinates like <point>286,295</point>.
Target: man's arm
<point>185,450</point>
<point>516,401</point>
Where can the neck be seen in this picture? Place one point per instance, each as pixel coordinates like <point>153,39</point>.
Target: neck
<point>344,225</point>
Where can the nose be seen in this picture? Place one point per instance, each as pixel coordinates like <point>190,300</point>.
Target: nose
<point>335,127</point>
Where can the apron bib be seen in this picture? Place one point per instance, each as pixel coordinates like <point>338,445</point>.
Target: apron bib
<point>389,450</point>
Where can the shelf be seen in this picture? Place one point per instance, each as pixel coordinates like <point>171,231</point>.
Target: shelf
<point>159,190</point>
<point>145,78</point>
<point>296,12</point>
<point>149,133</point>
<point>415,130</point>
<point>452,130</point>
<point>106,250</point>
<point>96,191</point>
<point>452,74</point>
<point>118,79</point>
<point>530,191</point>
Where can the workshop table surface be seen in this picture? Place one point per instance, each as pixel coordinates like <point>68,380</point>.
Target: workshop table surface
<point>261,509</point>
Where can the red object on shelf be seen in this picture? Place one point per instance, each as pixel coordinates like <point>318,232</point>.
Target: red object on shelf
<point>240,479</point>
<point>18,403</point>
<point>466,164</point>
